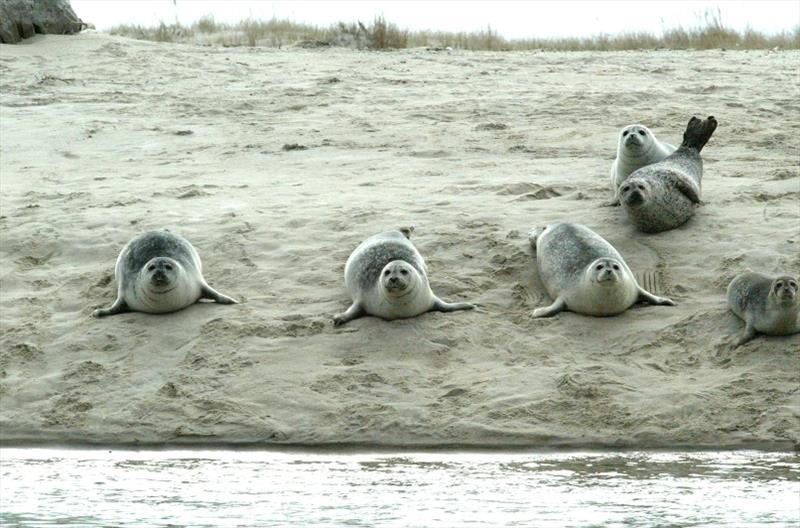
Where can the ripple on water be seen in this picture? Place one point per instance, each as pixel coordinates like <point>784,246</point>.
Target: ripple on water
<point>49,487</point>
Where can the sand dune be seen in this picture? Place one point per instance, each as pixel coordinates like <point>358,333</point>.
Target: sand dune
<point>277,163</point>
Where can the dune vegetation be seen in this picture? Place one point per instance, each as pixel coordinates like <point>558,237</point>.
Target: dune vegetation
<point>708,33</point>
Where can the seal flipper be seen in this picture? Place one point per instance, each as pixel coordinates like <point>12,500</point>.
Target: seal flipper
<point>441,306</point>
<point>686,186</point>
<point>646,296</point>
<point>207,292</point>
<point>748,335</point>
<point>558,306</point>
<point>354,312</point>
<point>119,306</point>
<point>698,132</point>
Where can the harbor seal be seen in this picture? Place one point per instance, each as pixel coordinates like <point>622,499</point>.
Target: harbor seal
<point>386,277</point>
<point>663,195</point>
<point>584,273</point>
<point>637,146</point>
<point>767,305</point>
<point>159,272</point>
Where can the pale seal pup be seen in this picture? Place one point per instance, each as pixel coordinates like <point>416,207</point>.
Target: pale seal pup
<point>637,146</point>
<point>584,273</point>
<point>767,305</point>
<point>663,195</point>
<point>386,277</point>
<point>159,272</point>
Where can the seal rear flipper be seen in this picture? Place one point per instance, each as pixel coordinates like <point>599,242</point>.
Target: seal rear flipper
<point>646,296</point>
<point>441,306</point>
<point>558,306</point>
<point>698,132</point>
<point>207,292</point>
<point>354,312</point>
<point>119,306</point>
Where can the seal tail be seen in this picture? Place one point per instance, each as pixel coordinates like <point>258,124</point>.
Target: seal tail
<point>698,132</point>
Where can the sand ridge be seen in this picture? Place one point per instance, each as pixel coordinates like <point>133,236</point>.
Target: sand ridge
<point>103,137</point>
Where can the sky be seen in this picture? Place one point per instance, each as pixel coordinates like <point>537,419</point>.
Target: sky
<point>511,19</point>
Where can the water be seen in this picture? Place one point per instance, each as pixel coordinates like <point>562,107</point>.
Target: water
<point>58,487</point>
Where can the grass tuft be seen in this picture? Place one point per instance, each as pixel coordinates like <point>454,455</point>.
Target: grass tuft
<point>709,33</point>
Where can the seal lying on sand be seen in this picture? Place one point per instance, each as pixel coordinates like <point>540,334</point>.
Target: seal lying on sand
<point>663,195</point>
<point>636,148</point>
<point>159,272</point>
<point>767,305</point>
<point>386,277</point>
<point>584,273</point>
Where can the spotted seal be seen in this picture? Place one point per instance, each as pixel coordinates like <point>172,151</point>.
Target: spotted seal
<point>637,147</point>
<point>584,273</point>
<point>768,305</point>
<point>159,272</point>
<point>386,277</point>
<point>663,195</point>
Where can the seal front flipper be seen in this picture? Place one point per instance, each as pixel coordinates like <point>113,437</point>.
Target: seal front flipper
<point>748,335</point>
<point>207,292</point>
<point>354,312</point>
<point>686,186</point>
<point>558,306</point>
<point>646,296</point>
<point>119,306</point>
<point>441,306</point>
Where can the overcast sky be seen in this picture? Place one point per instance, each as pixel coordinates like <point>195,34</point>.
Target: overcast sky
<point>511,19</point>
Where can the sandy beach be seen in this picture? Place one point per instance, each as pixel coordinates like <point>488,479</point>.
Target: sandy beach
<point>276,163</point>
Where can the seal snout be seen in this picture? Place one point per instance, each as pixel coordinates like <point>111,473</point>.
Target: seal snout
<point>396,277</point>
<point>606,270</point>
<point>633,193</point>
<point>785,289</point>
<point>161,271</point>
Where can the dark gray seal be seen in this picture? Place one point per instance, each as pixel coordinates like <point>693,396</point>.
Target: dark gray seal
<point>663,195</point>
<point>768,305</point>
<point>386,277</point>
<point>584,273</point>
<point>159,272</point>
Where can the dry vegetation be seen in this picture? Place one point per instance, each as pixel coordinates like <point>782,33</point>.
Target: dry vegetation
<point>710,33</point>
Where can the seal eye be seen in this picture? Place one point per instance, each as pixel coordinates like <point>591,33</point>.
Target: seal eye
<point>151,267</point>
<point>625,133</point>
<point>641,133</point>
<point>404,272</point>
<point>616,267</point>
<point>168,266</point>
<point>387,272</point>
<point>599,266</point>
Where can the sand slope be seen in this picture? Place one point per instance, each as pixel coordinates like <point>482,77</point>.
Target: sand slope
<point>103,137</point>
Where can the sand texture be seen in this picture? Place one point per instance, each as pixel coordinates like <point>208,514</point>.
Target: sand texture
<point>277,163</point>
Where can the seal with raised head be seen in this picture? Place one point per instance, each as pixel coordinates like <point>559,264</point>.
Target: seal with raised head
<point>637,147</point>
<point>159,272</point>
<point>768,305</point>
<point>386,277</point>
<point>584,273</point>
<point>663,195</point>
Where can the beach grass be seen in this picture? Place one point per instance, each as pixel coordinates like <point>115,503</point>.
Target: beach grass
<point>708,33</point>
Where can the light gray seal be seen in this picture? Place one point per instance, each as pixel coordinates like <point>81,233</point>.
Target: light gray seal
<point>768,305</point>
<point>386,277</point>
<point>159,272</point>
<point>584,273</point>
<point>663,195</point>
<point>637,147</point>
